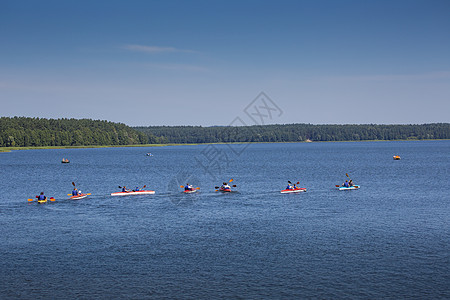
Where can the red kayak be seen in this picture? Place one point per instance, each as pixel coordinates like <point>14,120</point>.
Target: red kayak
<point>78,197</point>
<point>296,190</point>
<point>189,191</point>
<point>225,190</point>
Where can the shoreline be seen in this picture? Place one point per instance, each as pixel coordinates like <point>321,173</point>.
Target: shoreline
<point>9,149</point>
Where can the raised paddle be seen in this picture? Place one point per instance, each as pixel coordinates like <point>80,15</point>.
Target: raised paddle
<point>216,187</point>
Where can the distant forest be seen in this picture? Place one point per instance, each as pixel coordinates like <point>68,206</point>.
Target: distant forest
<point>296,133</point>
<point>31,132</point>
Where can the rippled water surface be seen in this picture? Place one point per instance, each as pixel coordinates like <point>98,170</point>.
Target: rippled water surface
<point>391,238</point>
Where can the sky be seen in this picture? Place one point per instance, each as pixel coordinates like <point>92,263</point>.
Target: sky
<point>206,63</point>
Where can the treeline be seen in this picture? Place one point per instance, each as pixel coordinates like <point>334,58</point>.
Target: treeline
<point>296,133</point>
<point>29,132</point>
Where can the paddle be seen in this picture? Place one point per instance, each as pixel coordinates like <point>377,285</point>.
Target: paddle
<point>51,199</point>
<point>140,189</point>
<point>76,195</point>
<point>350,180</point>
<point>197,188</point>
<point>216,187</point>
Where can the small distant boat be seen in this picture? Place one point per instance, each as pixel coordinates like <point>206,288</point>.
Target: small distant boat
<point>65,161</point>
<point>396,157</point>
<point>149,154</point>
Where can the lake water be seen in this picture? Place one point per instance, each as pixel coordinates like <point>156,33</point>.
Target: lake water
<point>390,239</point>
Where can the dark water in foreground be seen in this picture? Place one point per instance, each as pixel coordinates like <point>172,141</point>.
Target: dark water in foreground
<point>390,239</point>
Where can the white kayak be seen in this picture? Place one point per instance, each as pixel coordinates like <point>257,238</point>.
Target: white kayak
<point>133,193</point>
<point>297,190</point>
<point>343,188</point>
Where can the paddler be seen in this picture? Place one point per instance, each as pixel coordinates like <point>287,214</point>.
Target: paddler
<point>345,184</point>
<point>124,189</point>
<point>289,186</point>
<point>188,187</point>
<point>225,186</point>
<point>75,192</point>
<point>42,196</point>
<point>350,183</point>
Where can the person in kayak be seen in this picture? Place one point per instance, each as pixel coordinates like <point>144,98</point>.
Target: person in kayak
<point>225,186</point>
<point>137,189</point>
<point>42,196</point>
<point>289,186</point>
<point>124,189</point>
<point>345,184</point>
<point>188,187</point>
<point>350,183</point>
<point>75,192</point>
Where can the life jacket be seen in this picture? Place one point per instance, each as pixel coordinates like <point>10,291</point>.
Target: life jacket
<point>41,197</point>
<point>74,193</point>
<point>124,190</point>
<point>346,184</point>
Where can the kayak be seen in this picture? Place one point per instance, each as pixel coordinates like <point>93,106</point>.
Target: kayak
<point>343,188</point>
<point>78,197</point>
<point>133,193</point>
<point>44,201</point>
<point>297,190</point>
<point>189,191</point>
<point>225,190</point>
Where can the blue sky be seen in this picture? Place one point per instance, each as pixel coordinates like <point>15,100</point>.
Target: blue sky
<point>202,62</point>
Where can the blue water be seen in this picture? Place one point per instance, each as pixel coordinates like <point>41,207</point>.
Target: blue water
<point>390,239</point>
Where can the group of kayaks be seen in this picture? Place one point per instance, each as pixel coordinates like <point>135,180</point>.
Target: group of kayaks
<point>188,189</point>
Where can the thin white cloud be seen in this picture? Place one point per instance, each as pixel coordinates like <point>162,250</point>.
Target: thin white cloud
<point>155,49</point>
